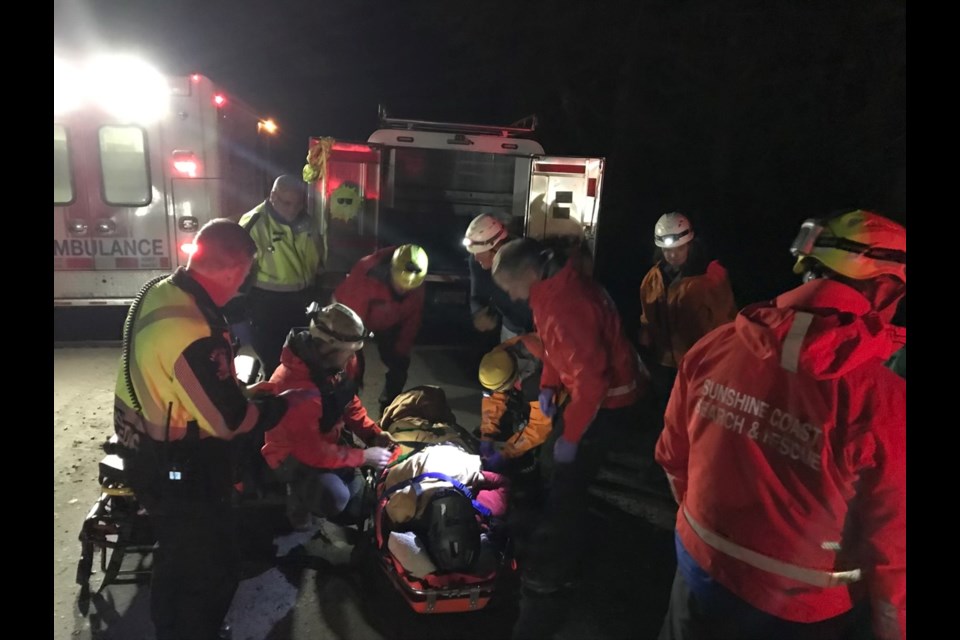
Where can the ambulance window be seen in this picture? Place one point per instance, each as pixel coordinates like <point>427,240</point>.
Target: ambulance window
<point>126,172</point>
<point>62,176</point>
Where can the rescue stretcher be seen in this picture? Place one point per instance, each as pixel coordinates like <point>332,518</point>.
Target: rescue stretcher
<point>420,419</point>
<point>442,591</point>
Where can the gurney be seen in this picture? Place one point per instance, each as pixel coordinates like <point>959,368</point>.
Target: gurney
<point>434,460</point>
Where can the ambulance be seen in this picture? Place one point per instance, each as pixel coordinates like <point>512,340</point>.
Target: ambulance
<point>140,162</point>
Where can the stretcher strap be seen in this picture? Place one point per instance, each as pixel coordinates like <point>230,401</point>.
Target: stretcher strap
<point>459,486</point>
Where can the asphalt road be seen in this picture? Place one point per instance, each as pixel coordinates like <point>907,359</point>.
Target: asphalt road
<point>301,586</point>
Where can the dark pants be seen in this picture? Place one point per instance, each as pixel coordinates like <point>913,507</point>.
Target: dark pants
<point>195,574</point>
<point>661,380</point>
<point>559,539</point>
<point>397,366</point>
<point>272,315</point>
<point>322,492</point>
<point>724,616</point>
<point>196,563</point>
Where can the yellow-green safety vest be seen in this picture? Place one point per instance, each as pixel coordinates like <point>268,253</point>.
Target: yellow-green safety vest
<point>288,256</point>
<point>168,321</point>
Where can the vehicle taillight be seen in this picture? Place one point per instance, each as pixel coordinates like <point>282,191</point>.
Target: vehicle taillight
<point>219,100</point>
<point>185,163</point>
<point>188,248</point>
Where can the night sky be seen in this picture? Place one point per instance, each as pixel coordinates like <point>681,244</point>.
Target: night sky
<point>748,116</point>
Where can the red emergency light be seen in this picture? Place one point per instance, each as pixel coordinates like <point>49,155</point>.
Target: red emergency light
<point>219,99</point>
<point>185,163</point>
<point>188,248</point>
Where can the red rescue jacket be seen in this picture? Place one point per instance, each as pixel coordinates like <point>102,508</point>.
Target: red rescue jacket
<point>584,348</point>
<point>784,440</point>
<point>367,291</point>
<point>303,438</point>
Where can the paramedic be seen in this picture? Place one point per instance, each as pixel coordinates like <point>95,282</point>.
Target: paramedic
<point>282,283</point>
<point>178,405</point>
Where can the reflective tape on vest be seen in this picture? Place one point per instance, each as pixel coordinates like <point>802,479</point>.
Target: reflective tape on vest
<point>812,577</point>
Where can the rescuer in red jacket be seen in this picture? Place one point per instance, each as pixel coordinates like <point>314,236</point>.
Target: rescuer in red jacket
<point>310,454</point>
<point>385,289</point>
<point>587,355</point>
<point>784,442</point>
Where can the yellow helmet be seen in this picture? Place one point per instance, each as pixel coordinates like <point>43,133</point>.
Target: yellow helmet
<point>858,244</point>
<point>408,267</point>
<point>498,370</point>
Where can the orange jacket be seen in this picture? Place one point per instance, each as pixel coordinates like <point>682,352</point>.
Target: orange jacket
<point>674,318</point>
<point>533,428</point>
<point>534,433</point>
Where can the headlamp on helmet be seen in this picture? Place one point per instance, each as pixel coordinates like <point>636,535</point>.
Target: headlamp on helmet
<point>484,233</point>
<point>859,245</point>
<point>672,230</point>
<point>337,326</point>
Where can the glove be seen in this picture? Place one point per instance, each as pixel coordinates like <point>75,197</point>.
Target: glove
<point>564,451</point>
<point>384,439</point>
<point>487,448</point>
<point>493,462</point>
<point>547,403</point>
<point>492,459</point>
<point>376,457</point>
<point>484,320</point>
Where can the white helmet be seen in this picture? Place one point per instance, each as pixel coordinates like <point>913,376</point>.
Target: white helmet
<point>484,233</point>
<point>672,230</point>
<point>337,326</point>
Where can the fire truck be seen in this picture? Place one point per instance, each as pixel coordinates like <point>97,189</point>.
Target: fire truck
<point>140,162</point>
<point>422,182</point>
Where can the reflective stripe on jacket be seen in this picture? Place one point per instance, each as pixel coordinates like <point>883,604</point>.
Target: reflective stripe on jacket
<point>288,255</point>
<point>181,366</point>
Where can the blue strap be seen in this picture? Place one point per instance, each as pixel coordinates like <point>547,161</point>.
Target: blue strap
<point>459,486</point>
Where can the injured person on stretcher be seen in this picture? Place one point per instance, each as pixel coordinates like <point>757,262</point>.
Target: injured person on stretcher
<point>439,528</point>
